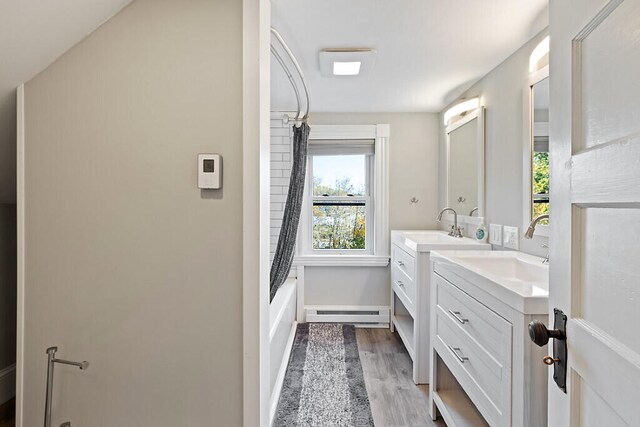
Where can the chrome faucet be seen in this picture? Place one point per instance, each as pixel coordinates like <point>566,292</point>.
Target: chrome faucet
<point>532,229</point>
<point>473,210</point>
<point>532,226</point>
<point>455,230</point>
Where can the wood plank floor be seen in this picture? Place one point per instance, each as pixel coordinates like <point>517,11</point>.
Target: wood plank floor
<point>395,400</point>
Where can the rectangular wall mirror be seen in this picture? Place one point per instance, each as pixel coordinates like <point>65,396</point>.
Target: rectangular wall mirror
<point>465,165</point>
<point>536,151</point>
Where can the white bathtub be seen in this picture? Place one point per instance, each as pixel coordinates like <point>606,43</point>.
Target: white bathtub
<point>282,328</point>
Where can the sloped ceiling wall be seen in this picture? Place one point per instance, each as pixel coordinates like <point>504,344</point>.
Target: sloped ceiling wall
<point>33,33</point>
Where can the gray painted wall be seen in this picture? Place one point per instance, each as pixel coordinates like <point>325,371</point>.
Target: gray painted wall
<point>413,172</point>
<point>7,285</point>
<point>346,286</point>
<point>128,264</point>
<point>501,92</point>
<point>413,163</point>
<point>7,149</point>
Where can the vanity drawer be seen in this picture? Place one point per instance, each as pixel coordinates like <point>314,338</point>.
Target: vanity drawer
<point>404,285</point>
<point>405,262</point>
<point>491,332</point>
<point>486,382</point>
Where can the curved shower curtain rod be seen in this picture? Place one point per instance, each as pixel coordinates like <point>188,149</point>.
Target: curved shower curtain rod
<point>300,116</point>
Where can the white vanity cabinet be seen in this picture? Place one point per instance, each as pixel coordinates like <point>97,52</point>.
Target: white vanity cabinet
<point>484,368</point>
<point>410,306</point>
<point>410,289</point>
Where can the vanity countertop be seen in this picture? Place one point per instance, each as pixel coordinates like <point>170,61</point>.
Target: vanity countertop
<point>431,240</point>
<point>517,279</point>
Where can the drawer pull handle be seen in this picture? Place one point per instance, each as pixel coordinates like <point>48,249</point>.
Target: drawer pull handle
<point>400,284</point>
<point>456,315</point>
<point>400,263</point>
<point>456,353</point>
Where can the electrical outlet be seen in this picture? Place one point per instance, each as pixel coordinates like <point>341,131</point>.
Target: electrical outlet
<point>511,240</point>
<point>495,234</point>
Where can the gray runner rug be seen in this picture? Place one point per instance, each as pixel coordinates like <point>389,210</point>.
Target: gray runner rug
<point>324,385</point>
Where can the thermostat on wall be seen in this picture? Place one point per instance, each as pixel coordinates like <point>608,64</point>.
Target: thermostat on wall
<point>209,171</point>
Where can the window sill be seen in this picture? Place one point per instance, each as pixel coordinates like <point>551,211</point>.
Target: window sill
<point>341,261</point>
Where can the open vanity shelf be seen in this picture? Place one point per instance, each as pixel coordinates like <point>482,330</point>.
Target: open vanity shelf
<point>404,325</point>
<point>455,406</point>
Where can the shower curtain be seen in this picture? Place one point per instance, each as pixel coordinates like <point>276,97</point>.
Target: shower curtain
<point>287,240</point>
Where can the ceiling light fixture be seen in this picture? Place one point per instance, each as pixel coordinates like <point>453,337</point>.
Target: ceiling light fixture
<point>346,68</point>
<point>462,107</point>
<point>339,62</point>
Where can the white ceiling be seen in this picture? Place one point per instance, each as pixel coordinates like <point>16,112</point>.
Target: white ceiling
<point>33,33</point>
<point>429,51</point>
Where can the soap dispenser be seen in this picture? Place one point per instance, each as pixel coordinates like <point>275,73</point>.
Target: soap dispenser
<point>481,232</point>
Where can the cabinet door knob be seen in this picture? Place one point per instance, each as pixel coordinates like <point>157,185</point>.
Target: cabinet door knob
<point>548,360</point>
<point>540,335</point>
<point>400,263</point>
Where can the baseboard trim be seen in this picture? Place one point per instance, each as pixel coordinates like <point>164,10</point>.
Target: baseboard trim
<point>7,383</point>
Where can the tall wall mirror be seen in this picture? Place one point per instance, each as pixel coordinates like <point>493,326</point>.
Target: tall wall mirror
<point>536,152</point>
<point>465,165</point>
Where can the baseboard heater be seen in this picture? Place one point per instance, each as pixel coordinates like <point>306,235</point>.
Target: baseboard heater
<point>360,316</point>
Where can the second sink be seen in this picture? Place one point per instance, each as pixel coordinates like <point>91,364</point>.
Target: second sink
<point>431,240</point>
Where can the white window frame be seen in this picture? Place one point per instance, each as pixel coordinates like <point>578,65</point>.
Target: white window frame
<point>368,198</point>
<point>377,242</point>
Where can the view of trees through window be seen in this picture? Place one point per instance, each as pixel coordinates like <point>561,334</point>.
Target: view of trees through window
<point>541,184</point>
<point>339,202</point>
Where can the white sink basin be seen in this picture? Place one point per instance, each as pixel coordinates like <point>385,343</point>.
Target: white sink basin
<point>428,236</point>
<point>510,266</point>
<point>431,240</point>
<point>519,279</point>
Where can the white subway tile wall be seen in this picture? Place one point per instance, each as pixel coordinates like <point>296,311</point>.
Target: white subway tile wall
<point>281,136</point>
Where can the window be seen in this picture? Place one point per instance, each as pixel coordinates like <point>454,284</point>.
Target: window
<point>344,220</point>
<point>541,184</point>
<point>540,150</point>
<point>341,200</point>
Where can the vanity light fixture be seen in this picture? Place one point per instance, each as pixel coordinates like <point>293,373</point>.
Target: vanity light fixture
<point>338,62</point>
<point>538,53</point>
<point>461,108</point>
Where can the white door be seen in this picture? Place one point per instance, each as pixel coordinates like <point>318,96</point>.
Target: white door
<point>595,227</point>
